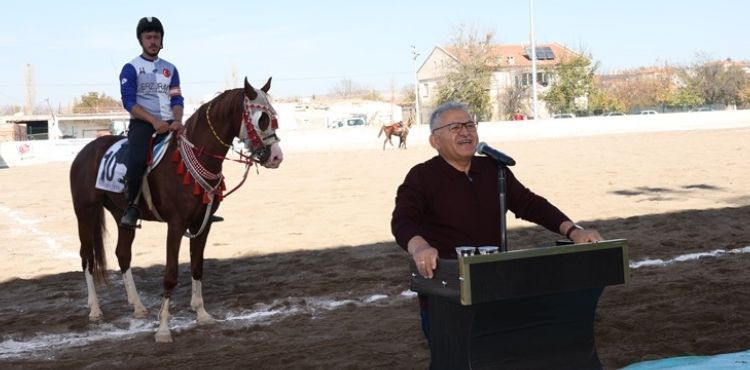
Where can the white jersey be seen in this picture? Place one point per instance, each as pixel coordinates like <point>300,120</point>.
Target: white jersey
<point>154,85</point>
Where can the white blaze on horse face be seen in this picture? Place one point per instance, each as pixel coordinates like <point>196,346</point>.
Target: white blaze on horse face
<point>274,160</point>
<point>265,100</point>
<point>255,115</point>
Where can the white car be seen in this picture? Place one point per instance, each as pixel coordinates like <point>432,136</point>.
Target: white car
<point>648,112</point>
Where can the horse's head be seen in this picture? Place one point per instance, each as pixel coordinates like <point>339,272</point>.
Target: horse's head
<point>259,124</point>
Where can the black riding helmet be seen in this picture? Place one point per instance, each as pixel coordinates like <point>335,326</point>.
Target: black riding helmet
<point>147,24</point>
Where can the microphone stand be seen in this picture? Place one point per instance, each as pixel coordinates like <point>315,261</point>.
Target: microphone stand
<point>503,207</point>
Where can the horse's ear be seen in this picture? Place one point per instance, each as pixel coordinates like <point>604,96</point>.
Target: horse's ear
<point>267,86</point>
<point>250,91</point>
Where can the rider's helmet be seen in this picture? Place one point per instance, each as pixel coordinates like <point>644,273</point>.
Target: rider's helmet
<point>147,24</point>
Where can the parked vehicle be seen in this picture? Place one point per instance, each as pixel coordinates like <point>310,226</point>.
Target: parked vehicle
<point>350,122</point>
<point>563,115</point>
<point>648,112</point>
<point>356,121</point>
<point>335,124</point>
<point>610,114</point>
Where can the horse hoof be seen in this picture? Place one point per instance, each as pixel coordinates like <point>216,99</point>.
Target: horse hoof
<point>206,320</point>
<point>163,337</point>
<point>140,314</point>
<point>95,316</point>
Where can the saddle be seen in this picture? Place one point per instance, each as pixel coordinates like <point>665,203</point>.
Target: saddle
<point>113,166</point>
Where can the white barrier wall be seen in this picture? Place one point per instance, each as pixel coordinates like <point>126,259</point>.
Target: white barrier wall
<point>19,153</point>
<point>351,138</point>
<point>356,138</point>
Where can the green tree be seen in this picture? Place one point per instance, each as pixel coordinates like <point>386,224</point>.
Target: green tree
<point>603,101</point>
<point>685,97</point>
<point>94,102</point>
<point>468,80</point>
<point>573,80</point>
<point>715,82</point>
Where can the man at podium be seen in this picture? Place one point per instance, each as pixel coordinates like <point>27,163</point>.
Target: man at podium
<point>451,200</point>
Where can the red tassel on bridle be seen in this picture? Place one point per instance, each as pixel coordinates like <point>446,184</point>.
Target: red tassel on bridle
<point>196,188</point>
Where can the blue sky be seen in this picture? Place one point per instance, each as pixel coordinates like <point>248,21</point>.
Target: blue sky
<point>309,46</point>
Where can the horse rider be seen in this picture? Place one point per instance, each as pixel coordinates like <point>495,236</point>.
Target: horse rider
<point>150,89</point>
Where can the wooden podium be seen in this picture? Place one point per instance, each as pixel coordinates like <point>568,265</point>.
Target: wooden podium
<point>524,309</point>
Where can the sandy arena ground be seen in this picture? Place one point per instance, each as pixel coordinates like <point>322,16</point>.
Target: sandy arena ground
<point>304,272</point>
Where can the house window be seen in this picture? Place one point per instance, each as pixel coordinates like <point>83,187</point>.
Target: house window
<point>525,79</point>
<point>425,90</point>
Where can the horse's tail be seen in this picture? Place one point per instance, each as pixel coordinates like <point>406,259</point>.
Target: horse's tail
<point>89,209</point>
<point>99,270</point>
<point>382,128</point>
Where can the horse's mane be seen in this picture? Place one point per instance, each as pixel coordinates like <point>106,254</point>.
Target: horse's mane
<point>223,105</point>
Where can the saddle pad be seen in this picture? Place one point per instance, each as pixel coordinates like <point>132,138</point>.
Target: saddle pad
<point>113,167</point>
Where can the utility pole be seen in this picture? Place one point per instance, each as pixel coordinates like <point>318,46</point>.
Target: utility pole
<point>416,85</point>
<point>30,89</point>
<point>533,59</point>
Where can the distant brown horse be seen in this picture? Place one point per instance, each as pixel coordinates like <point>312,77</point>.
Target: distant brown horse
<point>184,192</point>
<point>399,129</point>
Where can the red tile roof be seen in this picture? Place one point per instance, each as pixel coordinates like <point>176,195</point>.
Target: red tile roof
<point>506,56</point>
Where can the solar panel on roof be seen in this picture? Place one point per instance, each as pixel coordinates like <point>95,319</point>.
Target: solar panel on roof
<point>550,54</point>
<point>542,53</point>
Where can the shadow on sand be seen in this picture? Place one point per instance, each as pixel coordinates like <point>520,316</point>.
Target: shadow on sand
<point>345,308</point>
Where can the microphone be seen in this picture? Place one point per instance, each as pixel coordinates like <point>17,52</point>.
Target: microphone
<point>498,156</point>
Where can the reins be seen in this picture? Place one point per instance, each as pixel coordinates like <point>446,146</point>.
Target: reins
<point>187,154</point>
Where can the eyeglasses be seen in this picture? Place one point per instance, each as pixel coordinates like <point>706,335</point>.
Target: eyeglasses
<point>455,127</point>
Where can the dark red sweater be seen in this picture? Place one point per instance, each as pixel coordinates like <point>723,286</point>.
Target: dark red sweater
<point>450,209</point>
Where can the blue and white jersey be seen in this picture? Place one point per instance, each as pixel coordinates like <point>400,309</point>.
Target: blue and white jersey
<point>154,85</point>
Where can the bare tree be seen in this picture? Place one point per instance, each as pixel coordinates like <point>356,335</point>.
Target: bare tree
<point>512,98</point>
<point>717,82</point>
<point>345,88</point>
<point>468,80</point>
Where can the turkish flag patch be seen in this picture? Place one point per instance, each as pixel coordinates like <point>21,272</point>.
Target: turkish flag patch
<point>166,72</point>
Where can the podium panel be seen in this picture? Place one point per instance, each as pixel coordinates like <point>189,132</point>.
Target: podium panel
<point>526,309</point>
<point>527,272</point>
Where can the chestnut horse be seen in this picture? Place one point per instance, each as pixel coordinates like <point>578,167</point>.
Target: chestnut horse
<point>183,192</point>
<point>399,129</point>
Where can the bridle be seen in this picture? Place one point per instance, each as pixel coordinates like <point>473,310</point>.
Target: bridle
<point>249,128</point>
<point>251,134</point>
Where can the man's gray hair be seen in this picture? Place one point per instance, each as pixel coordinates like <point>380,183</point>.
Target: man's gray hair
<point>445,107</point>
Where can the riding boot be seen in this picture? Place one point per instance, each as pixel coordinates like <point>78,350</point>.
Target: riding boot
<point>132,213</point>
<point>215,218</point>
<point>130,217</point>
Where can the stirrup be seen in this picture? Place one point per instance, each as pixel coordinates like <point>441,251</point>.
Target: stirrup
<point>130,217</point>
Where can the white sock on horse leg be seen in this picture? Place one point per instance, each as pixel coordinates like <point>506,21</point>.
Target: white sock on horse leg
<point>93,300</point>
<point>162,334</point>
<point>196,302</point>
<point>139,311</point>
